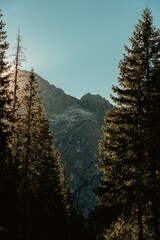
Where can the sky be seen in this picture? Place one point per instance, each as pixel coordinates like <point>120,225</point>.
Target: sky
<point>75,45</point>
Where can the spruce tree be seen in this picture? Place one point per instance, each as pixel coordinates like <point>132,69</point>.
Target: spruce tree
<point>8,190</point>
<point>129,152</point>
<point>45,206</point>
<point>51,194</point>
<point>17,64</point>
<point>5,99</point>
<point>27,134</point>
<point>15,106</point>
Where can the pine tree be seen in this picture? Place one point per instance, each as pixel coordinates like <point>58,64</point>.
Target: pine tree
<point>8,190</point>
<point>28,154</point>
<point>44,197</point>
<point>129,153</point>
<point>17,64</point>
<point>15,77</point>
<point>15,106</point>
<point>152,115</point>
<point>52,196</point>
<point>5,99</point>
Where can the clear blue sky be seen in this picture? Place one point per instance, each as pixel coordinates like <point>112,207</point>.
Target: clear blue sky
<point>75,44</point>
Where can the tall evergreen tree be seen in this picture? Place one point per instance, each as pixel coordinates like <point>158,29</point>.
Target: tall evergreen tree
<point>8,189</point>
<point>17,64</point>
<point>45,205</point>
<point>27,134</point>
<point>51,194</point>
<point>5,99</point>
<point>129,153</point>
<point>15,106</point>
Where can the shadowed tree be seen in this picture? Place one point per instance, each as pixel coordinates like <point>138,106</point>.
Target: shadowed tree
<point>8,190</point>
<point>51,192</point>
<point>129,153</point>
<point>17,64</point>
<point>45,201</point>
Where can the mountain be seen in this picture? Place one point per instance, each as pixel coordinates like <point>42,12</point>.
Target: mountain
<point>76,128</point>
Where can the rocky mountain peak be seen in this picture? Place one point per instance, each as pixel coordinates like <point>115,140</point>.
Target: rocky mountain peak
<point>96,104</point>
<point>91,97</point>
<point>76,129</point>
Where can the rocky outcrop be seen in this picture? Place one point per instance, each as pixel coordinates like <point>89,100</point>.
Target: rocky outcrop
<point>76,128</point>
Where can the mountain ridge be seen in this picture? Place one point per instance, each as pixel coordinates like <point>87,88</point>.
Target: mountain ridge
<point>76,128</point>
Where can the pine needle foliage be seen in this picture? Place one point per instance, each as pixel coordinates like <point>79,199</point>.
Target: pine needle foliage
<point>45,208</point>
<point>35,199</point>
<point>129,154</point>
<point>8,189</point>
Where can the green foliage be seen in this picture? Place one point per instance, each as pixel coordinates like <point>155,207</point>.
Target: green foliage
<point>8,168</point>
<point>35,194</point>
<point>129,153</point>
<point>41,191</point>
<point>5,99</point>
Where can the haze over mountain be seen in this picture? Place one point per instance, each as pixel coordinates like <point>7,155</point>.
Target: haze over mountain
<point>76,128</point>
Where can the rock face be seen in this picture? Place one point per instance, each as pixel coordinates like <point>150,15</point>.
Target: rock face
<point>76,128</point>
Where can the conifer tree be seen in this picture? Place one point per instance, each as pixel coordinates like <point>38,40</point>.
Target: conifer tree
<point>129,153</point>
<point>51,194</point>
<point>45,205</point>
<point>15,108</point>
<point>30,103</point>
<point>5,99</point>
<point>8,190</point>
<point>27,128</point>
<point>17,64</point>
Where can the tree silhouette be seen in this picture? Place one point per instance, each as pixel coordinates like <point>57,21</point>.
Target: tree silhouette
<point>129,153</point>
